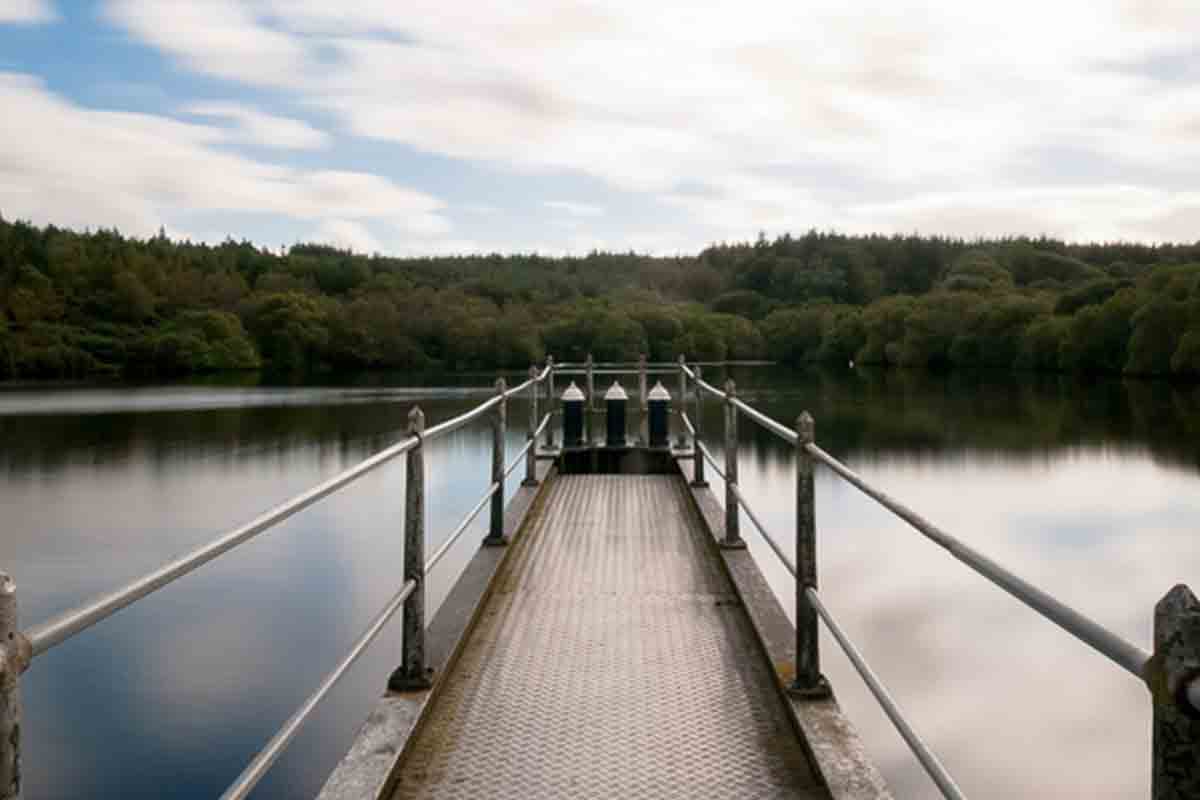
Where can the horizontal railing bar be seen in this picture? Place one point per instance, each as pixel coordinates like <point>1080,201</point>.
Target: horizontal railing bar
<point>257,768</point>
<point>777,428</point>
<point>622,365</point>
<point>928,760</point>
<point>673,364</point>
<point>462,526</point>
<point>1126,654</point>
<point>542,427</point>
<point>573,371</point>
<point>687,422</point>
<point>519,458</point>
<point>56,631</point>
<point>709,458</point>
<point>762,529</point>
<point>454,423</point>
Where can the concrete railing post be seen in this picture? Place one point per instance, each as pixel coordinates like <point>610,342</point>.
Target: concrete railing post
<point>1175,690</point>
<point>12,663</point>
<point>682,438</point>
<point>590,408</point>
<point>531,453</point>
<point>808,681</point>
<point>697,422</point>
<point>499,429</point>
<point>550,399</point>
<point>412,673</point>
<point>733,536</point>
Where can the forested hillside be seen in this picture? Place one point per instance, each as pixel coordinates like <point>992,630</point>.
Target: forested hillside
<point>75,304</point>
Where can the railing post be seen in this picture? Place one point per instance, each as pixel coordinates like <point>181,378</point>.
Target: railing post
<point>733,536</point>
<point>531,453</point>
<point>12,663</point>
<point>412,673</point>
<point>698,457</point>
<point>550,398</point>
<point>1175,688</point>
<point>590,409</point>
<point>682,440</point>
<point>809,682</point>
<point>499,428</point>
<point>643,428</point>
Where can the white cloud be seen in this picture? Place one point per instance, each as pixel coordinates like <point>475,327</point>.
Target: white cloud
<point>26,12</point>
<point>81,167</point>
<point>575,209</point>
<point>349,235</point>
<point>268,130</point>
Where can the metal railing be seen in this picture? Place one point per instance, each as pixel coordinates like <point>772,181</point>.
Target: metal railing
<point>1171,672</point>
<point>19,649</point>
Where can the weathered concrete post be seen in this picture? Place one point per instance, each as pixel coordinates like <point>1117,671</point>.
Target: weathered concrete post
<point>531,453</point>
<point>499,429</point>
<point>412,674</point>
<point>12,663</point>
<point>591,398</point>
<point>682,438</point>
<point>733,536</point>
<point>698,457</point>
<point>550,400</point>
<point>808,682</point>
<point>642,426</point>
<point>1175,689</point>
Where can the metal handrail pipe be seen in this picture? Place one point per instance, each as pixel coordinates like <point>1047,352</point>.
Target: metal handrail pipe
<point>462,526</point>
<point>519,458</point>
<point>569,371</point>
<point>709,458</point>
<point>454,423</point>
<point>522,387</point>
<point>256,769</point>
<point>1126,654</point>
<point>928,760</point>
<point>545,421</point>
<point>632,366</point>
<point>687,423</point>
<point>779,429</point>
<point>57,630</point>
<point>762,529</point>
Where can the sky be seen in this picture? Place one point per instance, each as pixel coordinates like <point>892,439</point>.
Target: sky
<point>562,126</point>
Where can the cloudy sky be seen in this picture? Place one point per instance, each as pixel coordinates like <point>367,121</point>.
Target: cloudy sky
<point>421,126</point>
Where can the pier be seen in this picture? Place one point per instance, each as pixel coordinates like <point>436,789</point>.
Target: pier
<point>612,635</point>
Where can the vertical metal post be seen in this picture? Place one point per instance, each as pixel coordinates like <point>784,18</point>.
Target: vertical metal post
<point>1173,677</point>
<point>733,536</point>
<point>531,453</point>
<point>698,457</point>
<point>682,439</point>
<point>12,663</point>
<point>499,428</point>
<point>550,399</point>
<point>642,427</point>
<point>808,682</point>
<point>590,408</point>
<point>412,673</point>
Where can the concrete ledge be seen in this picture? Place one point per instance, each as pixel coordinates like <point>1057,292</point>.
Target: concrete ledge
<point>834,748</point>
<point>368,771</point>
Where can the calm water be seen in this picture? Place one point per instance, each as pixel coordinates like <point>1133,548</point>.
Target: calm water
<point>1090,490</point>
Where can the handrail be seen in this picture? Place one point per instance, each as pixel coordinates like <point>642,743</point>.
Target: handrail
<point>462,526</point>
<point>257,768</point>
<point>709,458</point>
<point>762,529</point>
<point>928,760</point>
<point>687,422</point>
<point>1125,654</point>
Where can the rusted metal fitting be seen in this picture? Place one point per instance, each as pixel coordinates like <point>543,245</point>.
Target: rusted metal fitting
<point>15,657</point>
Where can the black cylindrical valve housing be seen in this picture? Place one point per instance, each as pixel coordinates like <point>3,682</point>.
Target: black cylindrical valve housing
<point>572,404</point>
<point>615,401</point>
<point>658,403</point>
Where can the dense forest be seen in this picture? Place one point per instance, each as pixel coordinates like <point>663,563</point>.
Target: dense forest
<point>76,304</point>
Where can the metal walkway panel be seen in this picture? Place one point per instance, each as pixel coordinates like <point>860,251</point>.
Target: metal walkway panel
<point>613,660</point>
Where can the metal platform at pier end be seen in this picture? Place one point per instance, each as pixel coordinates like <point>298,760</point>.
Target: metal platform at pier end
<point>613,659</point>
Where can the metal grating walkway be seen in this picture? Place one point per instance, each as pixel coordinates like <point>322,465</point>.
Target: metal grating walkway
<point>612,661</point>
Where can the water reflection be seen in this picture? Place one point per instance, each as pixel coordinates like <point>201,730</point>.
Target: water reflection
<point>1087,489</point>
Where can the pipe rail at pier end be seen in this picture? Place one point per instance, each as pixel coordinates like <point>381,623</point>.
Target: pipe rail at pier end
<point>19,649</point>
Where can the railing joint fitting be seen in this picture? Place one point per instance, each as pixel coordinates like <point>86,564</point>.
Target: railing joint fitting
<point>15,657</point>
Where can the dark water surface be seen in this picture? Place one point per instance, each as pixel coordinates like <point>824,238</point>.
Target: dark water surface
<point>1090,490</point>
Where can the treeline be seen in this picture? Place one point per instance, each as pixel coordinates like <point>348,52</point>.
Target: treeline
<point>74,304</point>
